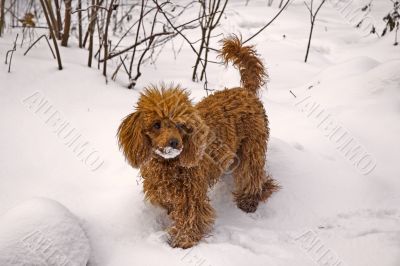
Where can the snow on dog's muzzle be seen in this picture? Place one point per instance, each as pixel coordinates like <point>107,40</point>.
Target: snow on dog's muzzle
<point>168,152</point>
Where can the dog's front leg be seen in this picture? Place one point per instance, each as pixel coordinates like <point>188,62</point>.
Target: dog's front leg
<point>193,218</point>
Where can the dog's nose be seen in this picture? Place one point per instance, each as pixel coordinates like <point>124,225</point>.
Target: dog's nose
<point>173,143</point>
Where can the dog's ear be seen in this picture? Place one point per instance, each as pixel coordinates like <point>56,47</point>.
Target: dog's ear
<point>133,142</point>
<point>195,141</point>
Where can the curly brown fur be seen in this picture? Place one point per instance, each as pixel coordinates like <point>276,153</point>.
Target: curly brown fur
<point>182,149</point>
<point>252,71</point>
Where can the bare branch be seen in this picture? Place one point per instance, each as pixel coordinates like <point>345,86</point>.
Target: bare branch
<point>269,23</point>
<point>90,7</point>
<point>112,55</point>
<point>33,44</point>
<point>312,18</point>
<point>12,52</point>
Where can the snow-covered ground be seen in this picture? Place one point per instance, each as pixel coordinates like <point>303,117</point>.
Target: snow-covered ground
<point>40,231</point>
<point>339,204</point>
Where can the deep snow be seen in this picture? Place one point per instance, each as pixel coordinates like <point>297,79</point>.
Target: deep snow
<point>42,232</point>
<point>327,207</point>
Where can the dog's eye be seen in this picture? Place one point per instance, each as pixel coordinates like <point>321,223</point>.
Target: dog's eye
<point>181,126</point>
<point>184,128</point>
<point>157,125</point>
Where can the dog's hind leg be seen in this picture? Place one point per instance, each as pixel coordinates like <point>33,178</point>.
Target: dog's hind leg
<point>252,185</point>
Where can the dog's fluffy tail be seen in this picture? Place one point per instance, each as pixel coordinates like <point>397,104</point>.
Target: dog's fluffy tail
<point>252,71</point>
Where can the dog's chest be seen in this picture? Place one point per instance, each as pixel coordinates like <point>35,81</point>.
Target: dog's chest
<point>166,185</point>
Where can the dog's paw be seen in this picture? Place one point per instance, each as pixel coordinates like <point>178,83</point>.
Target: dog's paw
<point>247,204</point>
<point>181,243</point>
<point>181,239</point>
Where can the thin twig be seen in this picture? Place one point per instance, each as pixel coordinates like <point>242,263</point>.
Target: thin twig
<point>86,9</point>
<point>269,23</point>
<point>125,67</point>
<point>12,52</point>
<point>138,73</point>
<point>312,21</point>
<point>136,39</point>
<point>33,44</point>
<point>114,75</point>
<point>174,27</point>
<point>36,27</point>
<point>109,12</point>
<point>112,55</point>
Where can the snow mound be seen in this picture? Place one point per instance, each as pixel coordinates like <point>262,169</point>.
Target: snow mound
<point>42,232</point>
<point>349,68</point>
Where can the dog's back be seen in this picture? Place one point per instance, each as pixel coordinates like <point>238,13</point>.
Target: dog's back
<point>241,101</point>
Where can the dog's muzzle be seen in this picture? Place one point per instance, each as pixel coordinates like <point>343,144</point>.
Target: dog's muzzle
<point>168,152</point>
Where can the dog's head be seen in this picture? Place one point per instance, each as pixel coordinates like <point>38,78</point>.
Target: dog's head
<point>165,127</point>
